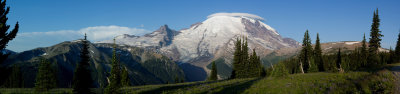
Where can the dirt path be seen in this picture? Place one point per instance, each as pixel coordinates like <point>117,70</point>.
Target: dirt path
<point>396,71</point>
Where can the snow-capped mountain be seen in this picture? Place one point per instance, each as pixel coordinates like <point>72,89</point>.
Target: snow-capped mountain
<point>215,37</point>
<point>212,39</point>
<point>159,38</point>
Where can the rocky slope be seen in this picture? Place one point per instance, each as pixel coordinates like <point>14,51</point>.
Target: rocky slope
<point>157,39</point>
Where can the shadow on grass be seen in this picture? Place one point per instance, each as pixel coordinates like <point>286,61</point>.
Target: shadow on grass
<point>395,68</point>
<point>237,88</point>
<point>165,88</point>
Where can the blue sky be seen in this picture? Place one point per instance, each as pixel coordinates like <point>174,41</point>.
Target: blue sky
<point>335,20</point>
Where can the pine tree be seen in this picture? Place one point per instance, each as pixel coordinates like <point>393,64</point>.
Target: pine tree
<point>46,77</point>
<point>280,70</point>
<point>82,80</point>
<point>254,65</point>
<point>15,80</point>
<point>374,40</point>
<point>115,79</point>
<point>125,81</point>
<point>263,73</point>
<point>313,66</point>
<point>245,60</point>
<point>364,52</point>
<point>397,50</point>
<point>391,56</point>
<point>176,79</point>
<point>5,36</point>
<point>236,59</point>
<point>213,75</point>
<point>339,61</point>
<point>318,55</point>
<point>306,53</point>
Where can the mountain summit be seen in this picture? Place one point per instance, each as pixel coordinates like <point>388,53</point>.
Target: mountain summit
<point>215,37</point>
<point>159,38</point>
<point>212,39</point>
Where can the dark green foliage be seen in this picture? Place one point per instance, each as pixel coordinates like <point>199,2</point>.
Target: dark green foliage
<point>364,53</point>
<point>254,65</point>
<point>245,59</point>
<point>224,70</point>
<point>82,79</point>
<point>263,73</point>
<point>339,61</point>
<point>391,56</point>
<point>5,36</point>
<point>46,76</point>
<point>176,80</point>
<point>374,41</point>
<point>318,55</point>
<point>236,59</point>
<point>115,79</point>
<point>313,66</point>
<point>213,75</point>
<point>125,81</point>
<point>306,52</point>
<point>397,50</point>
<point>245,66</point>
<point>279,70</point>
<point>15,80</point>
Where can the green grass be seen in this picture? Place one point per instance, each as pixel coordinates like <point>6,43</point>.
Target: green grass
<point>304,83</point>
<point>383,81</point>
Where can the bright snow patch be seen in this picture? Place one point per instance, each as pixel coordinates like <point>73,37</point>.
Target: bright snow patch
<point>327,48</point>
<point>351,43</point>
<point>44,54</point>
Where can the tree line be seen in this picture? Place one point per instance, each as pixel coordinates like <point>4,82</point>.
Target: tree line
<point>245,65</point>
<point>365,58</point>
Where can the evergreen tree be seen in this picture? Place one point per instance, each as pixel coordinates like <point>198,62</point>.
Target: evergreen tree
<point>263,73</point>
<point>46,77</point>
<point>339,61</point>
<point>5,36</point>
<point>236,59</point>
<point>15,80</point>
<point>391,56</point>
<point>318,55</point>
<point>82,80</point>
<point>374,40</point>
<point>245,60</point>
<point>125,81</point>
<point>397,50</point>
<point>115,79</point>
<point>280,70</point>
<point>364,52</point>
<point>313,66</point>
<point>306,53</point>
<point>213,75</point>
<point>254,65</point>
<point>177,79</point>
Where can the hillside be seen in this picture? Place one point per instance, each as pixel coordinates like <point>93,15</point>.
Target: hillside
<point>144,66</point>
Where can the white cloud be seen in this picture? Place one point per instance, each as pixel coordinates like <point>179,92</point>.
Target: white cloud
<point>30,40</point>
<point>237,15</point>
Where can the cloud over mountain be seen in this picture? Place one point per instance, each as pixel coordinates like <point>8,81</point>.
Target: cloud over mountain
<point>30,40</point>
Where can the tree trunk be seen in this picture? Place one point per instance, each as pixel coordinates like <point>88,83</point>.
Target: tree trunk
<point>301,67</point>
